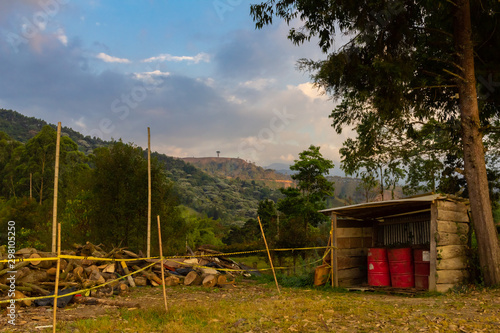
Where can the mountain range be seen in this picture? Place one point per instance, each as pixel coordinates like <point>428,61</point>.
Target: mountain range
<point>220,187</point>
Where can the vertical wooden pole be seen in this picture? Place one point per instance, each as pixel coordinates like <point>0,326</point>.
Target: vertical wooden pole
<point>162,268</point>
<point>333,249</point>
<point>31,185</point>
<point>149,196</point>
<point>269,255</point>
<point>56,183</point>
<point>56,290</point>
<point>433,247</point>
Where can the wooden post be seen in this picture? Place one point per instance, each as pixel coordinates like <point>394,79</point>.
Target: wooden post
<point>333,249</point>
<point>162,268</point>
<point>31,185</point>
<point>269,255</point>
<point>56,291</point>
<point>56,183</point>
<point>148,250</point>
<point>433,247</point>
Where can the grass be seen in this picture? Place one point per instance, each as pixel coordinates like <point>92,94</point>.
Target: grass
<point>259,308</point>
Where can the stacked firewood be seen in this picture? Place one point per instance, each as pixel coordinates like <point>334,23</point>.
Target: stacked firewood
<point>36,277</point>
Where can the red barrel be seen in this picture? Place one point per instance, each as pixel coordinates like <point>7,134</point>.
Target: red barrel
<point>422,268</point>
<point>401,268</point>
<point>378,267</point>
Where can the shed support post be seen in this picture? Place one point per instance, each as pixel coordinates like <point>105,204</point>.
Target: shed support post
<point>433,247</point>
<point>333,256</point>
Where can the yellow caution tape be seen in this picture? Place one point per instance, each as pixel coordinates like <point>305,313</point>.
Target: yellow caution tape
<point>66,256</point>
<point>81,291</point>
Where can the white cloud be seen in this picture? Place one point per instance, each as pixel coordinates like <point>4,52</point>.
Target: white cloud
<point>168,57</point>
<point>80,123</point>
<point>61,35</point>
<point>153,78</point>
<point>107,58</point>
<point>287,158</point>
<point>310,90</point>
<point>258,84</point>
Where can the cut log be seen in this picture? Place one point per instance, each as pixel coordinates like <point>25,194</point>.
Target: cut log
<point>130,254</point>
<point>451,251</point>
<point>36,288</point>
<point>35,276</point>
<point>192,279</point>
<point>209,281</point>
<point>455,216</point>
<point>452,264</point>
<point>104,301</point>
<point>26,252</point>
<point>208,271</point>
<point>52,271</point>
<point>451,276</point>
<point>109,268</point>
<point>60,284</point>
<point>140,281</point>
<point>453,227</point>
<point>78,272</point>
<point>18,287</point>
<point>151,276</point>
<point>171,281</point>
<point>96,276</point>
<point>445,238</point>
<point>35,256</point>
<point>127,272</point>
<point>90,269</point>
<point>15,268</point>
<point>123,288</point>
<point>452,206</point>
<point>65,273</point>
<point>20,295</point>
<point>221,279</point>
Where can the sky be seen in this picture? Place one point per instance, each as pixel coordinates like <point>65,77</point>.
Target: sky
<point>196,72</point>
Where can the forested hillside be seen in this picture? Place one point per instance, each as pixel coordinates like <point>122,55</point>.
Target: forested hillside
<point>103,190</point>
<point>22,128</point>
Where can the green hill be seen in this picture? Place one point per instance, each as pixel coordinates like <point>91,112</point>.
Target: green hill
<point>22,128</point>
<point>230,199</point>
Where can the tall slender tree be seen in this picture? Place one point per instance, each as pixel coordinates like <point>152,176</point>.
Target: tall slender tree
<point>409,62</point>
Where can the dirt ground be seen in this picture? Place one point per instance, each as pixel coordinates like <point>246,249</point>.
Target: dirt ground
<point>472,311</point>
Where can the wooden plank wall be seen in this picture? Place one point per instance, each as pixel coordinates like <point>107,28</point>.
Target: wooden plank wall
<point>452,228</point>
<point>353,242</point>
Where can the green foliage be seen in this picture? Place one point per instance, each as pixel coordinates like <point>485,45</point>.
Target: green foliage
<point>202,230</point>
<point>396,79</point>
<point>301,204</point>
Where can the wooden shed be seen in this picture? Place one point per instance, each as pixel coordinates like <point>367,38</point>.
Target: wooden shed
<point>436,223</point>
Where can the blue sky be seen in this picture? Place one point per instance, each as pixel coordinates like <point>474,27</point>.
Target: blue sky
<point>196,72</point>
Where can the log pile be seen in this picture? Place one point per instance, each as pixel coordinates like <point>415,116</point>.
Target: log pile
<point>204,267</point>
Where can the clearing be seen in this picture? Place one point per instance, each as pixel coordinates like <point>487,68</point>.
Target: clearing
<point>251,307</point>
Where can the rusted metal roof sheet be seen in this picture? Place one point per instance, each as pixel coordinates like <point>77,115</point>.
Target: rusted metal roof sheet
<point>380,209</point>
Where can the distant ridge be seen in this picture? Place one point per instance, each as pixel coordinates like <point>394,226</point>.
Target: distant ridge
<point>233,168</point>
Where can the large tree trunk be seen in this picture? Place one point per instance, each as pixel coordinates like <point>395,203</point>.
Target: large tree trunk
<point>472,140</point>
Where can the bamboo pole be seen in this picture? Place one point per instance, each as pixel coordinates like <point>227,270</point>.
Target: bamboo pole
<point>56,290</point>
<point>56,183</point>
<point>148,250</point>
<point>331,252</point>
<point>269,255</point>
<point>162,268</point>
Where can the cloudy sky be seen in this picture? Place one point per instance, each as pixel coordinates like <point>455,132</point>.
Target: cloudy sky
<point>196,72</point>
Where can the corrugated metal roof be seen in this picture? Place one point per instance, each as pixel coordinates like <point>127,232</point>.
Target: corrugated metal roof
<point>379,209</point>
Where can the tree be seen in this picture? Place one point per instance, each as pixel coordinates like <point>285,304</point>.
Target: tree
<point>118,201</point>
<point>409,63</point>
<point>303,202</point>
